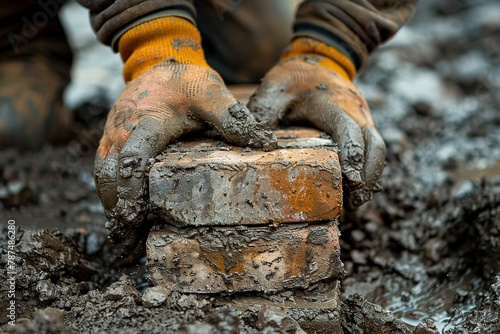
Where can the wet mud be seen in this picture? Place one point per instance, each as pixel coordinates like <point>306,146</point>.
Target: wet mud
<point>422,257</point>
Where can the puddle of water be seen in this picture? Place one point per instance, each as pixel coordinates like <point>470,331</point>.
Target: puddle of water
<point>434,301</point>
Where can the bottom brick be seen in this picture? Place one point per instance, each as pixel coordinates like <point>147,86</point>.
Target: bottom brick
<point>243,258</point>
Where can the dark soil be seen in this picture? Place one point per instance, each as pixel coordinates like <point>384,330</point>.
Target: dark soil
<point>427,248</point>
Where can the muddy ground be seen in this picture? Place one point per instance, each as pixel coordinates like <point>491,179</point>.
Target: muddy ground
<point>427,246</point>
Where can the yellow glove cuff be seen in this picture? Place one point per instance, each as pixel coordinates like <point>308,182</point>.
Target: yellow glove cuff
<point>332,58</point>
<point>153,41</point>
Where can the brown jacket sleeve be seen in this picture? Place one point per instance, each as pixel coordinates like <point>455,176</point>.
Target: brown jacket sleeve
<point>354,27</point>
<point>110,18</point>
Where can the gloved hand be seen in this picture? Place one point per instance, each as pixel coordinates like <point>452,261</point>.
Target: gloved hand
<point>312,83</point>
<point>172,92</point>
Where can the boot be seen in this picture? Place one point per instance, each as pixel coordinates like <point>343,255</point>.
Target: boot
<point>35,62</point>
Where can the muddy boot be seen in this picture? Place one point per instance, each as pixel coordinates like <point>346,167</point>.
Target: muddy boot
<point>35,61</point>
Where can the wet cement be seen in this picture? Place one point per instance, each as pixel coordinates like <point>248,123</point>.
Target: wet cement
<point>426,247</point>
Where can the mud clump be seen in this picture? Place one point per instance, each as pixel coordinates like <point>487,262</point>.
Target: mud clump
<point>51,252</point>
<point>364,317</point>
<point>484,233</point>
<point>45,269</point>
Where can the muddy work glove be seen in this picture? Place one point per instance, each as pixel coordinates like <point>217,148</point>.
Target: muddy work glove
<point>312,83</point>
<point>170,91</point>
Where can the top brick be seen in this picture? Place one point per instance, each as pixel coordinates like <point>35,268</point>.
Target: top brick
<point>205,183</point>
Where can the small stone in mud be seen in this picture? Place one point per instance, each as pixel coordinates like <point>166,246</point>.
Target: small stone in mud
<point>272,317</point>
<point>121,289</point>
<point>428,327</point>
<point>47,290</point>
<point>187,301</point>
<point>155,296</point>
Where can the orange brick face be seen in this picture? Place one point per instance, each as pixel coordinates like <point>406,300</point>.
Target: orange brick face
<point>208,184</point>
<point>229,259</point>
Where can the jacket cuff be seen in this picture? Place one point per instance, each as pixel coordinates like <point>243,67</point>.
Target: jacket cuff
<point>302,30</point>
<point>111,18</point>
<point>162,13</point>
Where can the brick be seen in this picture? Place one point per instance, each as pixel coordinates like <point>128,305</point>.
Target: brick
<point>206,183</point>
<point>243,258</point>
